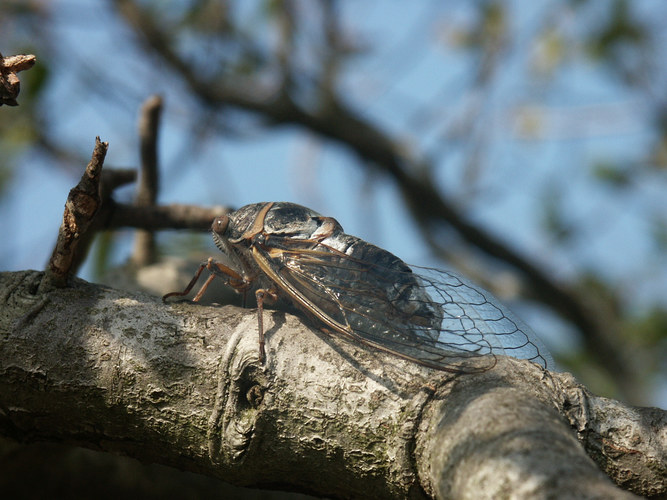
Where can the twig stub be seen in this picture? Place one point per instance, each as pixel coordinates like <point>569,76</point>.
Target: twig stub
<point>83,202</point>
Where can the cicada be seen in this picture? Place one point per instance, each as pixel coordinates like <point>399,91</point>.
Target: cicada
<point>349,287</point>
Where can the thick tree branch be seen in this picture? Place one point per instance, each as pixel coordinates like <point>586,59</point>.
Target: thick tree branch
<point>180,384</point>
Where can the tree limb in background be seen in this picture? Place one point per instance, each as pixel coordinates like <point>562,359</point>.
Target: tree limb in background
<point>336,121</point>
<point>10,85</point>
<point>180,385</point>
<point>173,216</point>
<point>144,252</point>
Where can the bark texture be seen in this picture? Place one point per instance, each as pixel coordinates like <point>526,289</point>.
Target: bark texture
<point>179,384</point>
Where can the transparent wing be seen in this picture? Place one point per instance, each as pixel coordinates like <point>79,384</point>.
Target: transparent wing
<point>432,317</point>
<point>468,307</point>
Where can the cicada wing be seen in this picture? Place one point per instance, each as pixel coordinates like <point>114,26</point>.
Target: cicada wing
<point>473,309</point>
<point>388,308</point>
<point>432,317</point>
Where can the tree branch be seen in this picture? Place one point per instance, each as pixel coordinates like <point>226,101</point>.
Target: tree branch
<point>144,252</point>
<point>173,216</point>
<point>180,384</point>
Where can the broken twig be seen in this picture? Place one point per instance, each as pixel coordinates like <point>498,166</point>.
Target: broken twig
<point>83,203</point>
<point>10,85</point>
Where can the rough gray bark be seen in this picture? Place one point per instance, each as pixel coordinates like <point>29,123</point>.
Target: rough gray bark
<point>179,384</point>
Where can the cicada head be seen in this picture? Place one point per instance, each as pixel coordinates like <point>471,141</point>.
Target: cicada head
<point>245,222</point>
<point>225,237</point>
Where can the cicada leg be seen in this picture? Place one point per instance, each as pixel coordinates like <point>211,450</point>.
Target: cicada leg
<point>229,276</point>
<point>187,288</point>
<point>203,288</point>
<point>261,295</point>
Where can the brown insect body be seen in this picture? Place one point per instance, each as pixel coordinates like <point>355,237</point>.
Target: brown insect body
<point>353,288</point>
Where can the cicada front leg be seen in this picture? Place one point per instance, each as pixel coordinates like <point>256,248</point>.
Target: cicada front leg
<point>229,276</point>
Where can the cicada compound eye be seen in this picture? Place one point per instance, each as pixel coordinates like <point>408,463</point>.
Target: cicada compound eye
<point>220,224</point>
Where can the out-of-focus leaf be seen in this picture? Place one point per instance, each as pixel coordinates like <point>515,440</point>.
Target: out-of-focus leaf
<point>34,82</point>
<point>549,54</point>
<point>552,219</point>
<point>611,174</point>
<point>102,251</point>
<point>530,122</point>
<point>580,362</point>
<point>16,135</point>
<point>660,234</point>
<point>489,27</point>
<point>18,128</point>
<point>649,330</point>
<point>621,28</point>
<point>208,16</point>
<point>5,175</point>
<point>648,334</point>
<point>659,154</point>
<point>600,292</point>
<point>494,20</point>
